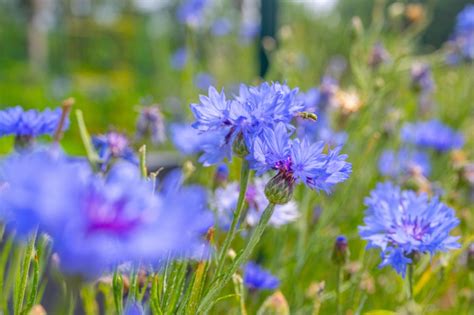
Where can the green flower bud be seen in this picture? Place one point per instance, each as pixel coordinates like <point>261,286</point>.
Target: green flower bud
<point>279,190</point>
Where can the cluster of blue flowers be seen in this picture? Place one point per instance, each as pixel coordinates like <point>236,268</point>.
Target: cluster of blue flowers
<point>402,224</point>
<point>29,123</point>
<point>257,278</point>
<point>257,124</point>
<point>462,42</point>
<point>432,135</point>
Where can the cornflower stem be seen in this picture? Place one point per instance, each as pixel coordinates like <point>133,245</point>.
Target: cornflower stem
<point>66,108</point>
<point>22,277</point>
<point>92,156</point>
<point>244,179</point>
<point>142,156</point>
<point>339,281</point>
<point>210,298</point>
<point>410,282</point>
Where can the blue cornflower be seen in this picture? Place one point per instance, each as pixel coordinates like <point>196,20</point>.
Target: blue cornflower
<point>404,162</point>
<point>257,278</point>
<point>462,42</point>
<point>113,145</point>
<point>151,123</point>
<point>29,123</point>
<point>249,30</point>
<point>422,78</point>
<point>179,58</point>
<point>191,12</point>
<point>402,223</point>
<point>432,134</point>
<point>203,80</point>
<point>98,222</point>
<point>245,117</point>
<point>221,27</point>
<point>299,161</point>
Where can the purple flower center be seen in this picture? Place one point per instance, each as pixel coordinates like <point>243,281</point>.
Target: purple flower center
<point>104,217</point>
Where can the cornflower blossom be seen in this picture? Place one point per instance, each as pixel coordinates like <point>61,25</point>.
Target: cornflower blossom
<point>298,161</point>
<point>179,58</point>
<point>225,203</point>
<point>243,118</point>
<point>402,224</point>
<point>113,145</point>
<point>203,80</point>
<point>462,42</point>
<point>379,55</point>
<point>191,12</point>
<point>25,125</point>
<point>404,162</point>
<point>221,27</point>
<point>96,222</point>
<point>151,123</point>
<point>190,141</point>
<point>257,278</point>
<point>432,134</point>
<point>422,78</point>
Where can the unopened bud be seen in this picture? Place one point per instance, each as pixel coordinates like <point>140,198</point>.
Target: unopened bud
<point>340,253</point>
<point>240,147</point>
<point>279,190</point>
<point>221,175</point>
<point>275,304</point>
<point>470,257</point>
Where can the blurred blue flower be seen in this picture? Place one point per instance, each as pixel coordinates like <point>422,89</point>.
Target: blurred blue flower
<point>203,80</point>
<point>179,58</point>
<point>404,162</point>
<point>225,202</point>
<point>432,134</point>
<point>151,123</point>
<point>378,55</point>
<point>257,278</point>
<point>462,42</point>
<point>299,161</point>
<point>402,223</point>
<point>19,122</point>
<point>221,27</point>
<point>134,308</point>
<point>113,145</point>
<point>191,12</point>
<point>249,31</point>
<point>99,222</point>
<point>421,77</point>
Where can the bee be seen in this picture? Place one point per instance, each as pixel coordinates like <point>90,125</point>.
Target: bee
<point>306,115</point>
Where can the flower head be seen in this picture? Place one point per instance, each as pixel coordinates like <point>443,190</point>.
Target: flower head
<point>257,278</point>
<point>150,122</point>
<point>421,77</point>
<point>402,223</point>
<point>404,162</point>
<point>179,58</point>
<point>113,145</point>
<point>462,42</point>
<point>299,161</point>
<point>191,12</point>
<point>99,222</point>
<point>432,134</point>
<point>378,55</point>
<point>32,123</point>
<point>244,117</point>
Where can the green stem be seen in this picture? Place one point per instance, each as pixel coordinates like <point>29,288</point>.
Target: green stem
<point>142,156</point>
<point>338,289</point>
<point>210,298</point>
<point>244,179</point>
<point>22,278</point>
<point>86,139</point>
<point>410,282</point>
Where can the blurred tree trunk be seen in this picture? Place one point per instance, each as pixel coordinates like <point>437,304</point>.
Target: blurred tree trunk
<point>39,12</point>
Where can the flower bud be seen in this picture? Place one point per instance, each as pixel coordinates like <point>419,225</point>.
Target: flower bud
<point>221,175</point>
<point>340,253</point>
<point>24,142</point>
<point>279,190</point>
<point>470,257</point>
<point>275,304</point>
<point>240,147</point>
